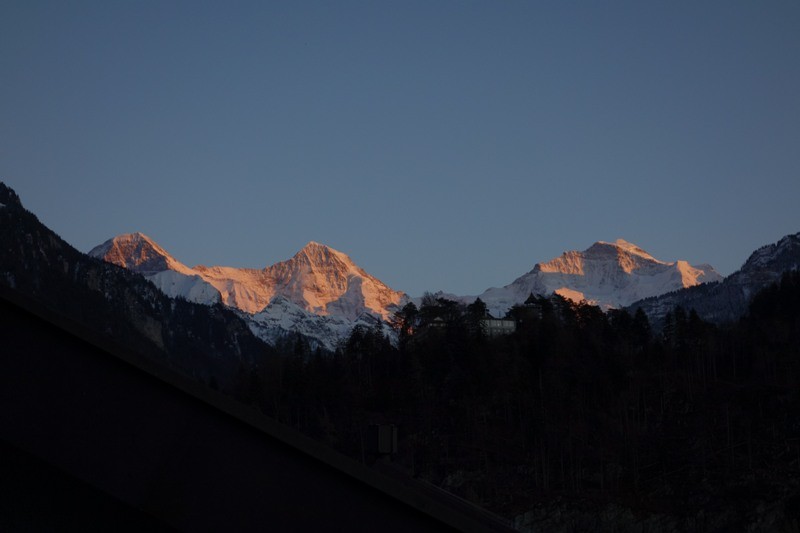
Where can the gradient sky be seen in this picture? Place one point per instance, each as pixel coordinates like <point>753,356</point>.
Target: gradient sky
<point>442,145</point>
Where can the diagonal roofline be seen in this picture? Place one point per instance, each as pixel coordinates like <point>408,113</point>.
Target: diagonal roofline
<point>391,481</point>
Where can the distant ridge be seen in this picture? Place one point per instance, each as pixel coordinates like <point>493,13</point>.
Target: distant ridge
<point>728,300</point>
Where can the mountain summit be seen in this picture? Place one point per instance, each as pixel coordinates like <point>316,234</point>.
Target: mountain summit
<point>317,279</point>
<point>607,274</point>
<point>326,281</point>
<point>320,292</point>
<point>138,252</point>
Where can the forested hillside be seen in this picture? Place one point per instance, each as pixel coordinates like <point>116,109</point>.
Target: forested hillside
<point>576,405</point>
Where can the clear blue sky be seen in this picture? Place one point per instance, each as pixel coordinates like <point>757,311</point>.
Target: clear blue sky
<point>442,145</point>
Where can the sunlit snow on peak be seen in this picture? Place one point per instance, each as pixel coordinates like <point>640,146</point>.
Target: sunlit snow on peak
<point>318,279</point>
<point>610,275</point>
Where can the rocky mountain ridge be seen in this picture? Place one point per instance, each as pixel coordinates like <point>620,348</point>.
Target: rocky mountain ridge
<point>728,299</point>
<point>320,292</point>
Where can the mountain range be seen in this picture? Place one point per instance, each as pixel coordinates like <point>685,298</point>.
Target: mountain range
<point>318,279</point>
<point>322,294</point>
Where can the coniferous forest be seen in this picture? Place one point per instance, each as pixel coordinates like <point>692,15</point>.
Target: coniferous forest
<point>576,406</point>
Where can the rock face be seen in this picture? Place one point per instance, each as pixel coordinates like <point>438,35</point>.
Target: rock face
<point>318,279</point>
<point>610,275</point>
<point>138,253</point>
<point>728,300</point>
<point>320,292</point>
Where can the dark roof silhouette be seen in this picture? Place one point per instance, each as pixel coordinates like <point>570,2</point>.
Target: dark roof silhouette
<point>119,432</point>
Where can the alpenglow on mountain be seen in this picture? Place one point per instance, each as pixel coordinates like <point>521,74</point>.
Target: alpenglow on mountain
<point>609,275</point>
<point>320,292</point>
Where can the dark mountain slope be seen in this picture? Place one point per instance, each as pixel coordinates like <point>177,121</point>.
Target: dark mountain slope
<point>727,300</point>
<point>209,343</point>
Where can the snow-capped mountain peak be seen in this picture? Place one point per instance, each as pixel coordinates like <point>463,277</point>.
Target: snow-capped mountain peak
<point>318,281</point>
<point>327,282</point>
<point>608,274</point>
<point>319,256</point>
<point>315,249</point>
<point>629,247</point>
<point>627,256</point>
<point>138,252</point>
